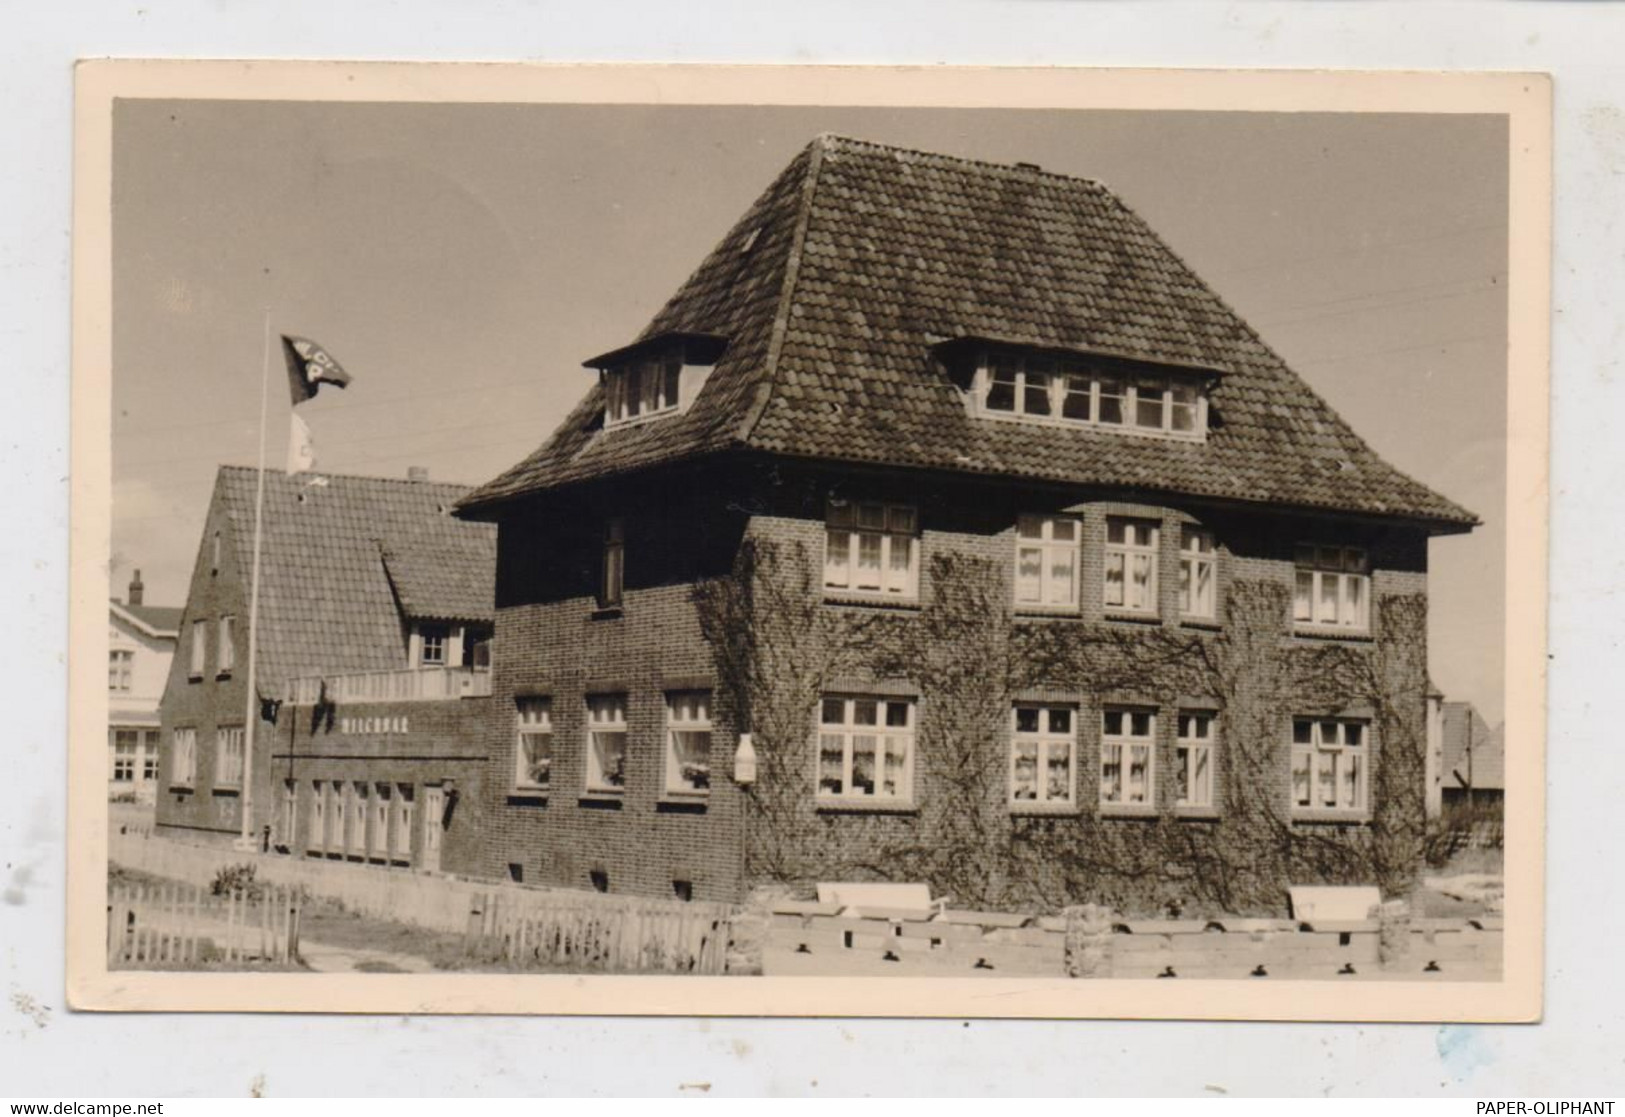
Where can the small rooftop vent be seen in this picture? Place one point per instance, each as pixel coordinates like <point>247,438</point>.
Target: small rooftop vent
<point>417,473</point>
<point>1029,166</point>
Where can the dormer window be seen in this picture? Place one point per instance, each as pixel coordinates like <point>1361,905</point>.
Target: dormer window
<point>655,377</point>
<point>1066,390</point>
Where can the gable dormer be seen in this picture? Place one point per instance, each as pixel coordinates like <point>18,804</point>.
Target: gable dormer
<point>1064,387</point>
<point>656,377</point>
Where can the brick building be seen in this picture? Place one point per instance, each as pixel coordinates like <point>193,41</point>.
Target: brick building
<point>140,645</point>
<point>945,526</point>
<point>375,613</point>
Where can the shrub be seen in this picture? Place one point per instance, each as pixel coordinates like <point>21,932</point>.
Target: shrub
<point>236,878</point>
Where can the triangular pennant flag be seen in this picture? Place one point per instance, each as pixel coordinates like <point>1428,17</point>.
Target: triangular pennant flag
<point>310,366</point>
<point>301,448</point>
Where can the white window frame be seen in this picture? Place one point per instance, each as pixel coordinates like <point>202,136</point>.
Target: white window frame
<point>228,757</point>
<point>1196,750</point>
<point>1085,381</point>
<point>1127,552</point>
<point>660,390</point>
<point>1037,534</point>
<point>847,527</point>
<point>1045,740</point>
<point>405,799</point>
<point>888,737</point>
<point>183,757</point>
<point>316,832</point>
<point>1121,746</point>
<point>1347,571</point>
<point>149,756</point>
<point>533,718</point>
<point>126,754</point>
<point>226,651</point>
<point>1318,756</point>
<point>606,718</point>
<point>120,668</point>
<point>378,831</point>
<point>199,650</point>
<point>355,835</point>
<point>1198,548</point>
<point>688,713</point>
<point>338,820</point>
<point>437,636</point>
<point>288,822</point>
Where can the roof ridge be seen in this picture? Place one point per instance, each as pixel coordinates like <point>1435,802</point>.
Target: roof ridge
<point>224,467</point>
<point>833,140</point>
<point>792,272</point>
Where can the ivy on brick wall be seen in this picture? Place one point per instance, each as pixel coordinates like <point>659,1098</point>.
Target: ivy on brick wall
<point>777,648</point>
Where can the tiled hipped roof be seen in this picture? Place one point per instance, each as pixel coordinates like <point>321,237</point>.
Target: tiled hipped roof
<point>344,564</point>
<point>865,256</point>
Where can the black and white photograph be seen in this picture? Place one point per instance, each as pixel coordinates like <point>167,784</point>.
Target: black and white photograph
<point>1049,544</point>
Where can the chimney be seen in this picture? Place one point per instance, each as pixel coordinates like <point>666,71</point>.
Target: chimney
<point>417,473</point>
<point>136,589</point>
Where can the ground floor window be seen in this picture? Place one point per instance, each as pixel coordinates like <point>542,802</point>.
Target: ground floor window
<point>149,755</point>
<point>1127,775</point>
<point>866,748</point>
<point>403,823</point>
<point>688,743</point>
<point>1329,766</point>
<point>183,757</point>
<point>316,841</point>
<point>126,745</point>
<point>289,813</point>
<point>356,841</point>
<point>228,745</point>
<point>1193,760</point>
<point>534,745</point>
<point>1042,751</point>
<point>606,743</point>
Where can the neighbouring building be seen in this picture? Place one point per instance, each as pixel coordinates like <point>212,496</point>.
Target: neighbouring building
<point>1473,784</point>
<point>944,526</point>
<point>141,642</point>
<point>375,613</point>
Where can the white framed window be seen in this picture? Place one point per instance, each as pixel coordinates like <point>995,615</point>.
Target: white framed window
<point>228,753</point>
<point>534,745</point>
<point>688,742</point>
<point>183,757</point>
<point>612,572</point>
<point>871,548</point>
<point>338,825</point>
<point>643,388</point>
<point>288,818</point>
<point>227,651</point>
<point>1047,561</point>
<point>432,641</point>
<point>606,743</point>
<point>355,841</point>
<point>120,662</point>
<point>404,794</point>
<point>316,839</point>
<point>1330,764</point>
<point>1127,752</point>
<point>1131,564</point>
<point>866,748</point>
<point>1069,391</point>
<point>149,755</point>
<point>1193,759</point>
<point>126,743</point>
<point>1198,574</point>
<point>1332,588</point>
<point>199,649</point>
<point>1043,755</point>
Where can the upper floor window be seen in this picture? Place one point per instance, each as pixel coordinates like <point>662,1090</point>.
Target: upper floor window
<point>641,388</point>
<point>1332,588</point>
<point>1047,561</point>
<point>214,554</point>
<point>1197,574</point>
<point>1329,764</point>
<point>199,649</point>
<point>432,641</point>
<point>871,549</point>
<point>612,575</point>
<point>1131,564</point>
<point>688,743</point>
<point>534,754</point>
<point>1043,750</point>
<point>120,662</point>
<point>866,748</point>
<point>1127,744</point>
<point>227,654</point>
<point>1075,391</point>
<point>183,757</point>
<point>606,743</point>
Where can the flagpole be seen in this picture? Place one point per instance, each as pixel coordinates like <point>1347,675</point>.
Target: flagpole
<point>245,840</point>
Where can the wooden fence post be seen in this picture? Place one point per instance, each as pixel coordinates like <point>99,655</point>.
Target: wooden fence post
<point>1088,940</point>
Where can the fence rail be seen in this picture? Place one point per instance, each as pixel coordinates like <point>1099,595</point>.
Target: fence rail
<point>183,925</point>
<point>553,930</point>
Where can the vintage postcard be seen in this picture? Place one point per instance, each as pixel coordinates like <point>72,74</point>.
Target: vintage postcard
<point>702,540</point>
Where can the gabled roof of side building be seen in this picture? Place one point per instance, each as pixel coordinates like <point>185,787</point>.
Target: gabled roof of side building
<point>347,561</point>
<point>158,621</point>
<point>1473,752</point>
<point>835,285</point>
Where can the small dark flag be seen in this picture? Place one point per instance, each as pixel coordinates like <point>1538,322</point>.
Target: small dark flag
<point>309,367</point>
<point>270,708</point>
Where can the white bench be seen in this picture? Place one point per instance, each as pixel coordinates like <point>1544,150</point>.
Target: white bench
<point>883,898</point>
<point>1329,904</point>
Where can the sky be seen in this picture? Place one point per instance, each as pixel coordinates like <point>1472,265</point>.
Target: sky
<point>462,260</point>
